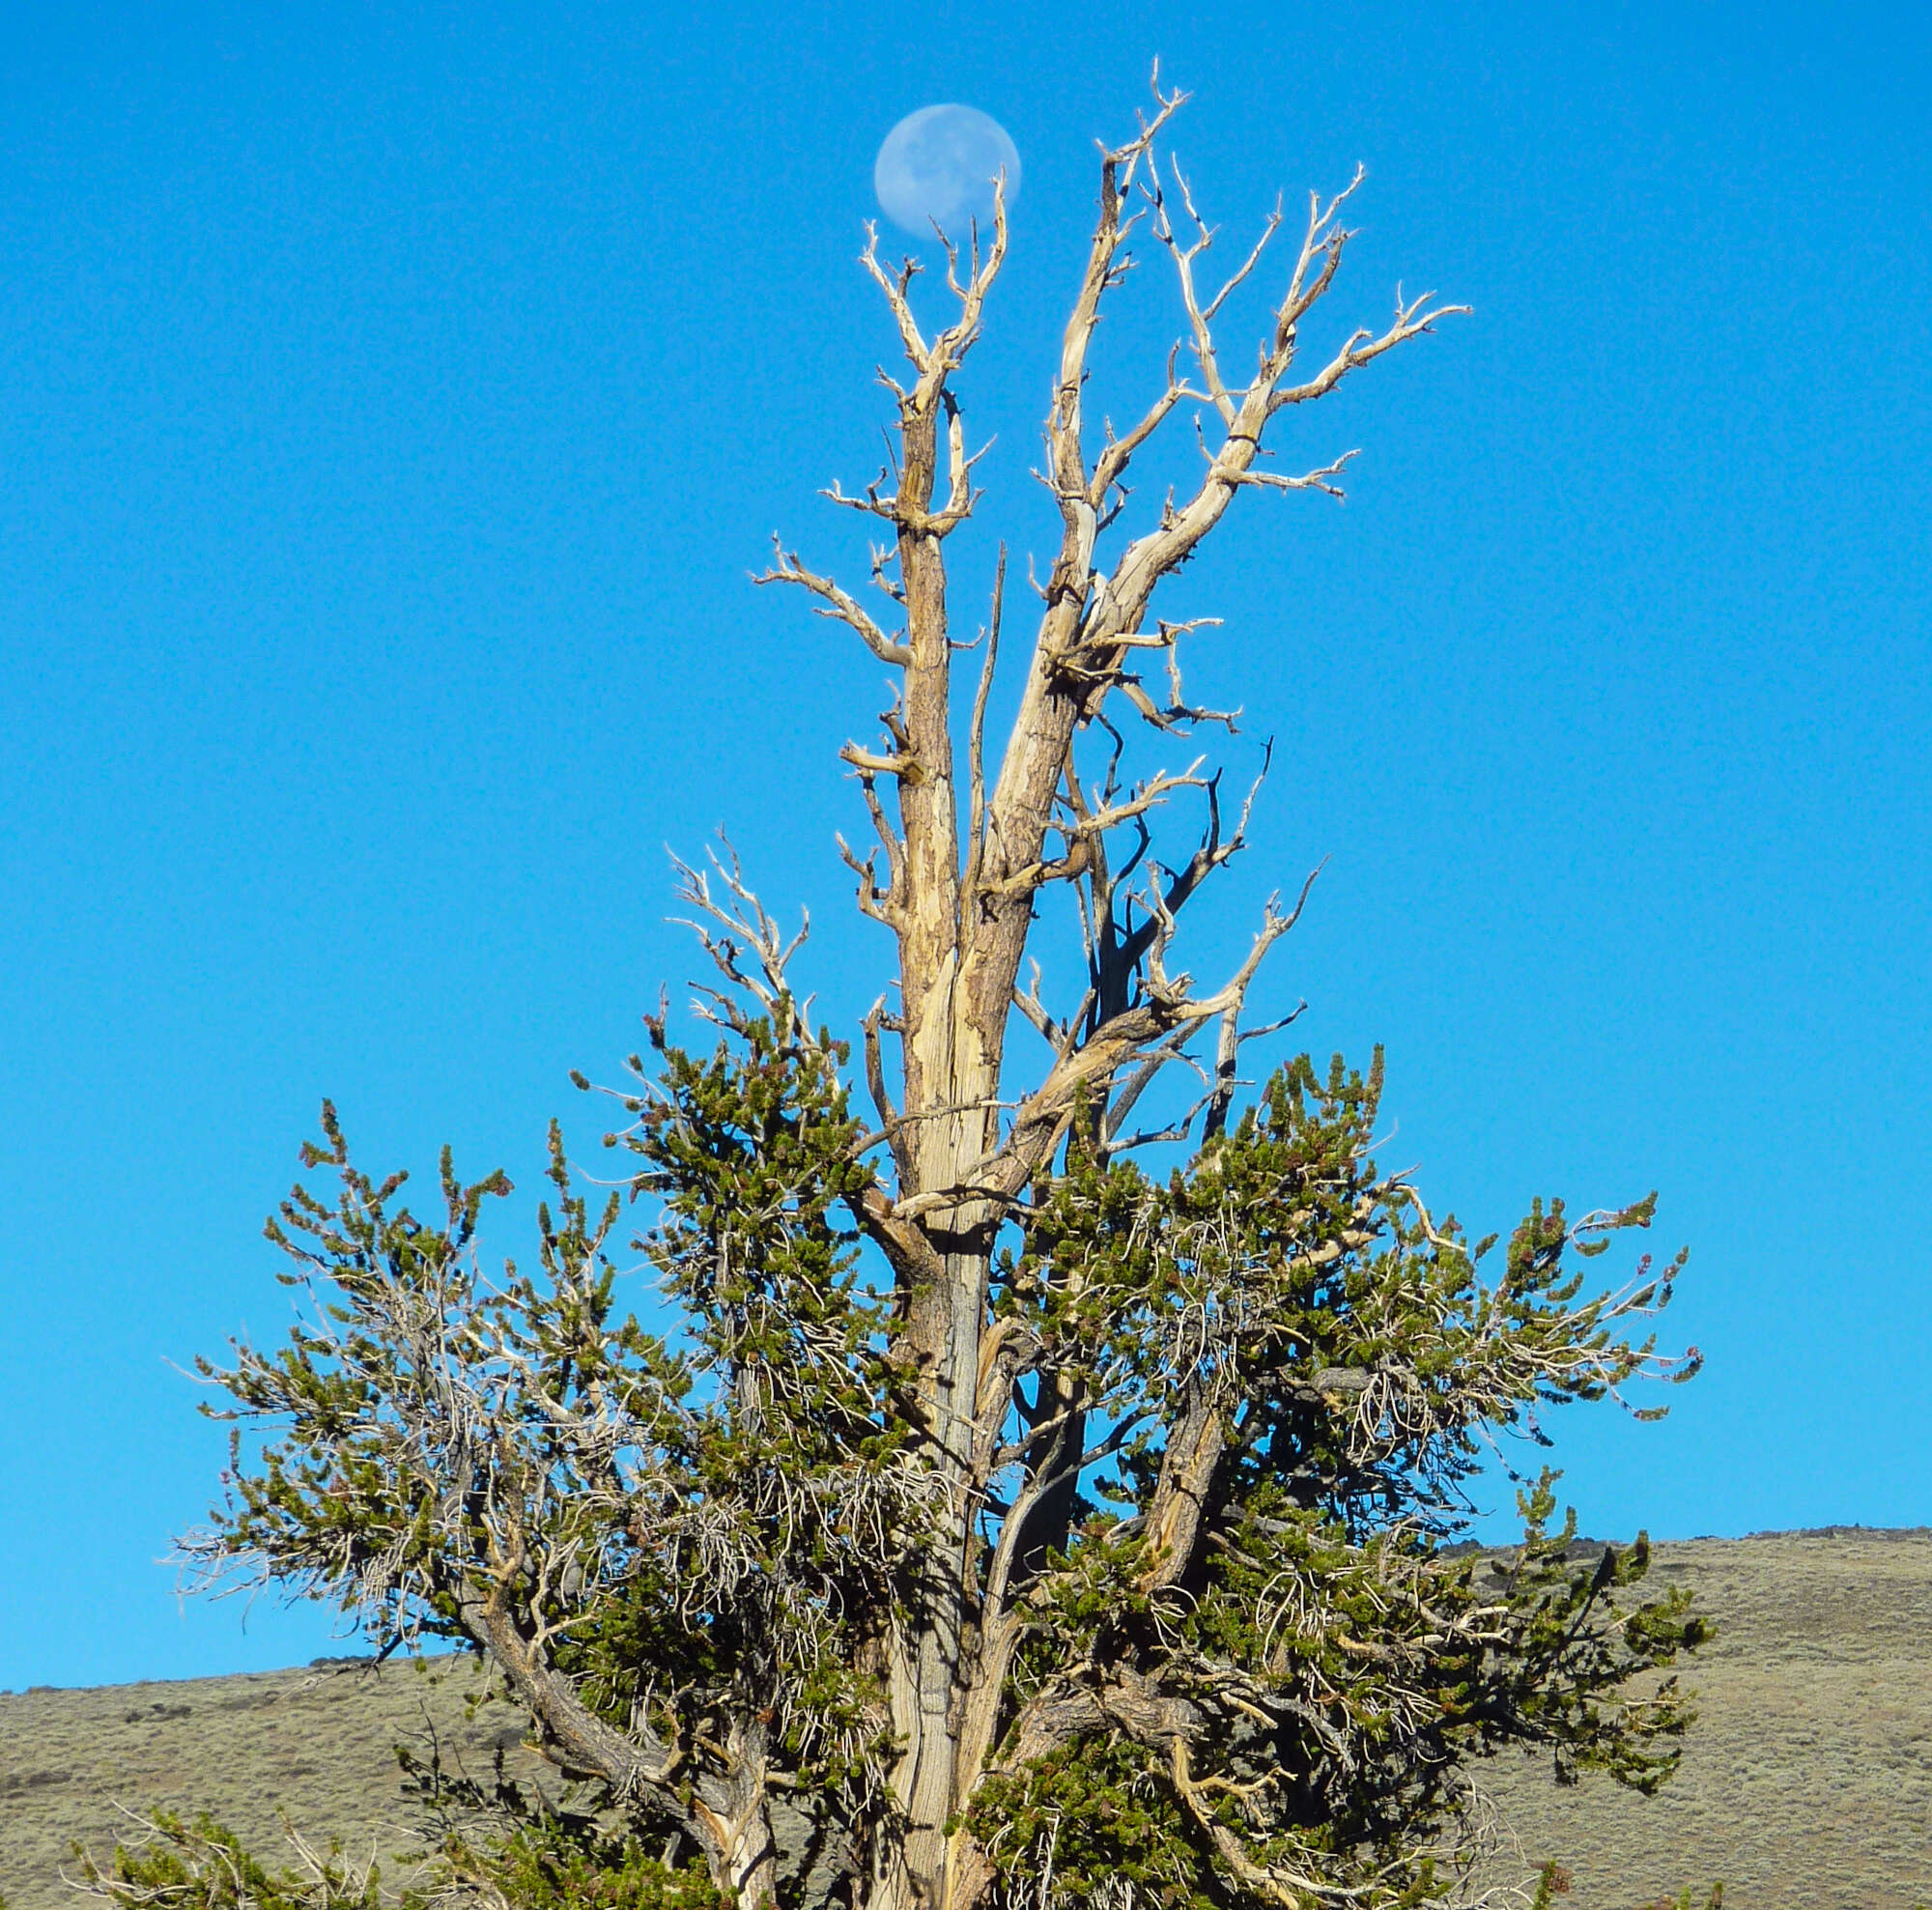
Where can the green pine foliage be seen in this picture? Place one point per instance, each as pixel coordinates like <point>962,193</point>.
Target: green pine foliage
<point>550,1865</point>
<point>728,1515</point>
<point>198,1865</point>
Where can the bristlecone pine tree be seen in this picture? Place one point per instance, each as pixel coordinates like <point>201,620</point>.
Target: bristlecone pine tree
<point>1001,1521</point>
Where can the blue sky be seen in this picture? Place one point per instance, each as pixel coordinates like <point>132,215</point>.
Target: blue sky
<point>395,400</point>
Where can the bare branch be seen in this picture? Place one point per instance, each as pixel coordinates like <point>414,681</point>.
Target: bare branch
<point>1118,454</point>
<point>1411,320</point>
<point>1322,479</point>
<point>746,925</point>
<point>872,901</point>
<point>896,286</point>
<point>1199,317</point>
<point>837,602</point>
<point>934,361</point>
<point>1088,825</point>
<point>869,764</point>
<point>1028,1002</point>
<point>1165,1011</point>
<point>1144,1076</point>
<point>1072,486</point>
<point>976,741</point>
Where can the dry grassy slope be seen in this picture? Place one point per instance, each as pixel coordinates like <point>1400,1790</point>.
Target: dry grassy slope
<point>1808,1784</point>
<point>314,1745</point>
<point>1807,1779</point>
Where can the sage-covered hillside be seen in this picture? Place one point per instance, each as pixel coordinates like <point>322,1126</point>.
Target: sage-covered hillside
<point>1806,1785</point>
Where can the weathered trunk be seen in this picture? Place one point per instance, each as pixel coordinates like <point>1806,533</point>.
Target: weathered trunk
<point>738,1826</point>
<point>962,922</point>
<point>945,1315</point>
<point>950,1072</point>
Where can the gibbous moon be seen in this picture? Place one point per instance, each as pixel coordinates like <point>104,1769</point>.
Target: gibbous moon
<point>936,169</point>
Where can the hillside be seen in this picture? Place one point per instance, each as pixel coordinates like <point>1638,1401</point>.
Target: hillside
<point>1808,1784</point>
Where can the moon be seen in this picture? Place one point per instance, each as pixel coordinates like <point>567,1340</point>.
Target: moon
<point>937,166</point>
